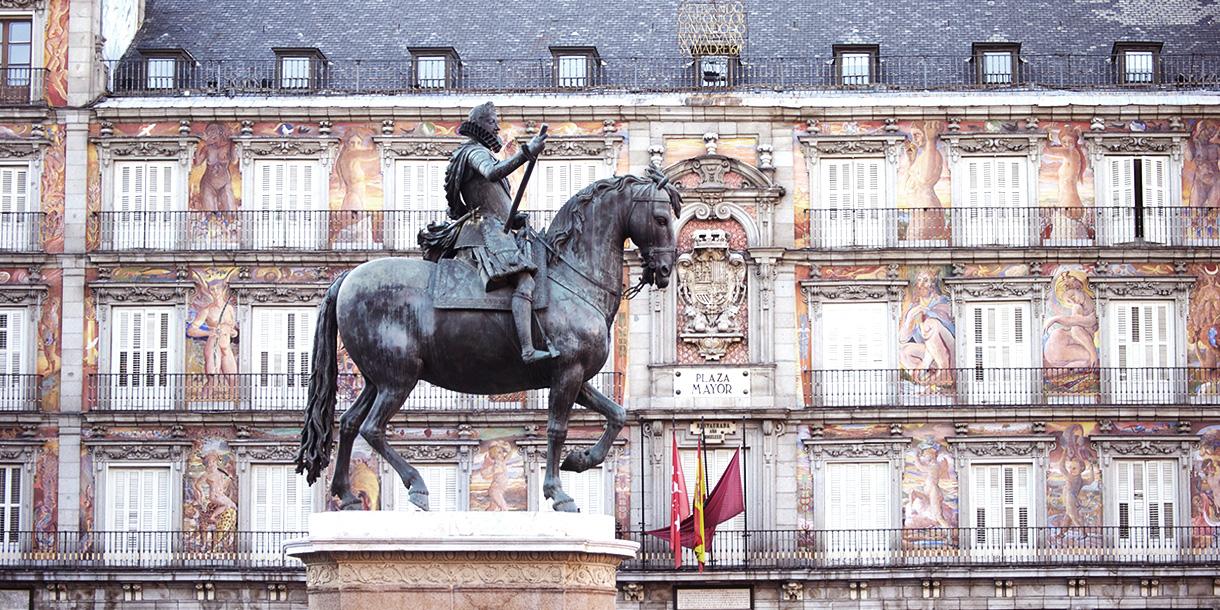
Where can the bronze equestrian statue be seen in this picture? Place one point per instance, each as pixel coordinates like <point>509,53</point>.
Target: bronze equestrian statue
<point>398,330</point>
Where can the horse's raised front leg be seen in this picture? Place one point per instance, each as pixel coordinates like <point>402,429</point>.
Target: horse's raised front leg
<point>563,393</point>
<point>616,418</point>
<point>349,426</point>
<point>389,401</point>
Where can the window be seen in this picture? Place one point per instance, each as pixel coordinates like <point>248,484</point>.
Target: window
<point>16,46</point>
<point>857,497</point>
<point>560,179</point>
<point>997,63</point>
<point>287,193</point>
<point>10,506</point>
<point>1138,62</point>
<point>283,341</point>
<point>727,546</point>
<point>588,490</point>
<point>16,389</point>
<point>19,227</point>
<point>715,70</point>
<point>145,201</point>
<point>1142,350</point>
<point>1136,199</point>
<point>1147,503</point>
<point>574,66</point>
<point>853,197</point>
<point>165,68</point>
<point>855,64</point>
<point>999,353</point>
<point>996,201</point>
<point>442,482</point>
<point>282,500</point>
<point>1002,501</point>
<point>434,67</point>
<point>140,357</point>
<point>299,68</point>
<point>855,357</point>
<point>137,501</point>
<point>419,198</point>
<point>161,72</point>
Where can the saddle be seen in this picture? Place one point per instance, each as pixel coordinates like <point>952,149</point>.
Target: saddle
<point>456,283</point>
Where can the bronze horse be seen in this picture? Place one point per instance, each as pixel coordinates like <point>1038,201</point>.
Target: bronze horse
<point>384,312</point>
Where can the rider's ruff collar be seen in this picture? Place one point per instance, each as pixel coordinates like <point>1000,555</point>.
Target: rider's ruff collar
<point>482,136</point>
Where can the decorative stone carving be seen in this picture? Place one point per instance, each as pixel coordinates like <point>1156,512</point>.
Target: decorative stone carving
<point>432,453</point>
<point>656,155</point>
<point>711,286</point>
<point>35,5</point>
<point>889,448</point>
<point>279,293</point>
<point>792,591</point>
<point>267,453</point>
<point>765,156</point>
<point>131,292</point>
<point>993,144</point>
<point>859,290</point>
<point>1008,446</point>
<point>633,592</point>
<point>710,140</point>
<point>181,148</point>
<point>1142,287</point>
<point>711,170</point>
<point>17,451</point>
<point>23,148</point>
<point>251,147</point>
<point>1101,144</point>
<point>137,451</point>
<point>816,147</point>
<point>397,147</point>
<point>1178,445</point>
<point>22,294</point>
<point>462,570</point>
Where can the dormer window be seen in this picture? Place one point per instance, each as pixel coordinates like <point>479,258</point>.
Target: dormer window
<point>997,63</point>
<point>299,68</point>
<point>16,47</point>
<point>166,68</point>
<point>1138,62</point>
<point>856,64</point>
<point>434,68</point>
<point>575,66</point>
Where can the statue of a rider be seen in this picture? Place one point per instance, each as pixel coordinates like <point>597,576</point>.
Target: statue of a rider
<point>476,186</point>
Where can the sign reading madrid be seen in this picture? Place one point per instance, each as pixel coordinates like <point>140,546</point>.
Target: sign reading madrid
<point>711,382</point>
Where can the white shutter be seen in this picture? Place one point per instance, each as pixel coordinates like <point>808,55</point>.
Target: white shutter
<point>287,191</point>
<point>12,341</point>
<point>10,503</point>
<point>1143,334</point>
<point>999,335</point>
<point>14,189</point>
<point>558,180</point>
<point>139,499</point>
<point>282,502</point>
<point>857,496</point>
<point>996,201</point>
<point>1147,499</point>
<point>852,199</point>
<point>1157,221</point>
<point>282,354</point>
<point>1119,215</point>
<point>146,198</point>
<point>442,482</point>
<point>854,339</point>
<point>140,356</point>
<point>586,488</point>
<point>419,198</point>
<point>1002,504</point>
<point>717,460</point>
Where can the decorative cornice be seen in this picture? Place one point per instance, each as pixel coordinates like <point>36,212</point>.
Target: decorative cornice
<point>181,148</point>
<point>1177,445</point>
<point>135,450</point>
<point>266,452</point>
<point>22,294</point>
<point>22,148</point>
<point>1028,144</point>
<point>581,147</point>
<point>403,147</point>
<point>1170,143</point>
<point>819,146</point>
<point>998,288</point>
<point>1002,446</point>
<point>711,170</point>
<point>1170,286</point>
<point>32,5</point>
<point>252,292</point>
<point>321,148</point>
<point>889,448</point>
<point>136,292</point>
<point>436,452</point>
<point>19,450</point>
<point>852,290</point>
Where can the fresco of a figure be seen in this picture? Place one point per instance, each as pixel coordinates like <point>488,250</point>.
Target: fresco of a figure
<point>1070,335</point>
<point>48,357</point>
<point>213,328</point>
<point>926,331</point>
<point>1064,218</point>
<point>208,503</point>
<point>355,187</point>
<point>56,52</point>
<point>218,179</point>
<point>924,166</point>
<point>929,487</point>
<point>46,488</point>
<point>1073,486</point>
<point>497,478</point>
<point>1205,488</point>
<point>1203,328</point>
<point>365,482</point>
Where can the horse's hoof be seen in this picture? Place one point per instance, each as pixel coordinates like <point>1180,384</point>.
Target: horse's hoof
<point>351,503</point>
<point>577,461</point>
<point>565,505</point>
<point>418,497</point>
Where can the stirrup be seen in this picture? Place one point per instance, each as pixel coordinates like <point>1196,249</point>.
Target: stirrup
<point>535,355</point>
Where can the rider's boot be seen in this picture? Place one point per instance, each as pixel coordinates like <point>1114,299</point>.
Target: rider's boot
<point>523,309</point>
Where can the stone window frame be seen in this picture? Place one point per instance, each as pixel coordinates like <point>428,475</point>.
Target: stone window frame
<point>873,52</point>
<point>138,454</point>
<point>1172,288</point>
<point>1118,56</point>
<point>978,53</point>
<point>962,145</point>
<point>975,291</point>
<point>323,149</point>
<point>1169,144</point>
<point>1180,447</point>
<point>29,151</point>
<point>180,149</point>
<point>453,66</point>
<point>249,454</point>
<point>820,292</point>
<point>109,294</point>
<point>36,12</point>
<point>252,295</point>
<point>1032,449</point>
<point>457,453</point>
<point>28,297</point>
<point>890,450</point>
<point>534,452</point>
<point>593,64</point>
<point>23,453</point>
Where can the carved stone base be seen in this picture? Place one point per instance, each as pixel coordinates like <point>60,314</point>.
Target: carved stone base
<point>449,561</point>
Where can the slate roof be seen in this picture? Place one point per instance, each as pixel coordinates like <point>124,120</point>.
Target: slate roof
<point>510,29</point>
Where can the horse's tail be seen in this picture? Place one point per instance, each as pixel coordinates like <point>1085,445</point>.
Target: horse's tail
<point>317,435</point>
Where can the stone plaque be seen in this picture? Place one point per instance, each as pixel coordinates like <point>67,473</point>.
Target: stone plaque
<point>711,383</point>
<point>714,599</point>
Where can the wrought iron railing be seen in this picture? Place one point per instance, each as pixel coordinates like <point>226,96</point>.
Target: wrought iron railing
<point>284,392</point>
<point>881,548</point>
<point>1011,386</point>
<point>22,85</point>
<point>20,392</point>
<point>1013,227</point>
<point>635,74</point>
<point>20,231</point>
<point>145,549</point>
<point>334,230</point>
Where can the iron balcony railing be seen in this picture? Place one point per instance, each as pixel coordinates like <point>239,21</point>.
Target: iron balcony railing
<point>986,227</point>
<point>243,230</point>
<point>20,231</point>
<point>916,548</point>
<point>20,392</point>
<point>22,85</point>
<point>285,392</point>
<point>145,549</point>
<point>1011,386</point>
<point>659,74</point>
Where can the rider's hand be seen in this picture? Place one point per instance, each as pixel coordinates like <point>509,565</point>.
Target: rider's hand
<point>534,147</point>
<point>521,220</point>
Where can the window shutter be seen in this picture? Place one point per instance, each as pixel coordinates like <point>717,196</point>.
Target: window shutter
<point>442,482</point>
<point>1143,334</point>
<point>1153,172</point>
<point>835,189</point>
<point>998,338</point>
<point>281,500</point>
<point>10,503</point>
<point>260,517</point>
<point>141,345</point>
<point>12,342</point>
<point>586,489</point>
<point>838,478</point>
<point>14,185</point>
<point>853,336</point>
<point>126,191</point>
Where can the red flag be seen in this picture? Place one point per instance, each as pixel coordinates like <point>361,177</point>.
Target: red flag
<point>679,505</point>
<point>725,502</point>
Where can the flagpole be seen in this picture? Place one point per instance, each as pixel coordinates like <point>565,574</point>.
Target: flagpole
<point>745,498</point>
<point>707,548</point>
<point>640,423</point>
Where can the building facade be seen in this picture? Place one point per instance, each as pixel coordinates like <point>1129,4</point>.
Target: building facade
<point>957,297</point>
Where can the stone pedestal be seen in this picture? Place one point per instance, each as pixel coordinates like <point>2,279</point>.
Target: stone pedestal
<point>380,560</point>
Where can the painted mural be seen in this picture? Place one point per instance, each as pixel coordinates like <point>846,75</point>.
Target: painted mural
<point>209,499</point>
<point>1073,486</point>
<point>929,487</point>
<point>742,148</point>
<point>1203,326</point>
<point>212,330</point>
<point>1205,488</point>
<point>48,361</point>
<point>497,480</point>
<point>1065,186</point>
<point>364,477</point>
<point>52,189</point>
<point>46,487</point>
<point>926,333</point>
<point>923,175</point>
<point>1070,335</point>
<point>56,52</point>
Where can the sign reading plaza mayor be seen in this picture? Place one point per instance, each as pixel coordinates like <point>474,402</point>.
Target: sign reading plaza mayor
<point>719,382</point>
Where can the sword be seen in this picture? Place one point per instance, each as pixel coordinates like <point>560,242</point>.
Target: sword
<point>529,169</point>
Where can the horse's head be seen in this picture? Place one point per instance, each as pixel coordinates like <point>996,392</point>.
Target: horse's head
<point>650,225</point>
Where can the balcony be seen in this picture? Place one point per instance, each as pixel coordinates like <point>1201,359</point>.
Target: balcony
<point>181,550</point>
<point>939,548</point>
<point>1013,227</point>
<point>282,392</point>
<point>22,85</point>
<point>256,230</point>
<point>977,387</point>
<point>20,392</point>
<point>20,231</point>
<point>130,77</point>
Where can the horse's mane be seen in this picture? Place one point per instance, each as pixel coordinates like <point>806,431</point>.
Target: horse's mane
<point>570,219</point>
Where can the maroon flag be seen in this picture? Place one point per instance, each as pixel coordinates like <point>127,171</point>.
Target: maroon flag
<point>725,502</point>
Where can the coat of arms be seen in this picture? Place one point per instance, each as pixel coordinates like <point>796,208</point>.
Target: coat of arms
<point>711,284</point>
